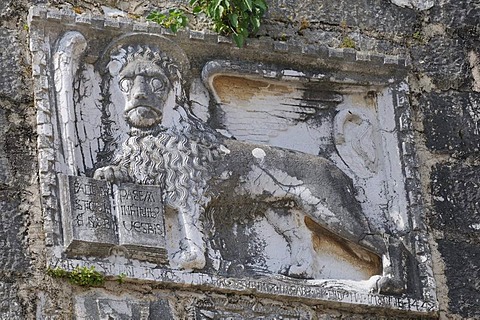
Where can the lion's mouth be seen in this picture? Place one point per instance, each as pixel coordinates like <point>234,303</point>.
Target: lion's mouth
<point>143,116</point>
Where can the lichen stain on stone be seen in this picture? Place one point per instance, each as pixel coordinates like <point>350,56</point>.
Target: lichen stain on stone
<point>368,100</point>
<point>327,242</point>
<point>230,88</point>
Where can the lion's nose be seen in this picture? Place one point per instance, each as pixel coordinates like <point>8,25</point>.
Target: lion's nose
<point>140,88</point>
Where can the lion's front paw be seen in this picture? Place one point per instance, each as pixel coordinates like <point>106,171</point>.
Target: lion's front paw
<point>109,173</point>
<point>190,260</point>
<point>190,257</point>
<point>390,285</point>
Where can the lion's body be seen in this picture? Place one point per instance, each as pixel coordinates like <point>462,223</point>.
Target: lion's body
<point>195,176</point>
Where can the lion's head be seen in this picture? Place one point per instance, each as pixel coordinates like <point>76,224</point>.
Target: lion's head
<point>149,81</point>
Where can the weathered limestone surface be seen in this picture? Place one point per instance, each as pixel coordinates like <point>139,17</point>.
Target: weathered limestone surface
<point>444,60</point>
<point>11,84</point>
<point>452,121</point>
<point>455,190</point>
<point>17,167</point>
<point>445,119</point>
<point>10,305</point>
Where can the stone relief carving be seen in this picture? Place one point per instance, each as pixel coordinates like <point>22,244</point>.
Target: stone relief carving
<point>239,176</point>
<point>201,173</point>
<point>285,175</point>
<point>356,141</point>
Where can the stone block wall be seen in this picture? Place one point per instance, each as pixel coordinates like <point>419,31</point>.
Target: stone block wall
<point>439,39</point>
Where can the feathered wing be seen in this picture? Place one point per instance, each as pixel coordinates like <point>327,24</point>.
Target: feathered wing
<point>281,111</point>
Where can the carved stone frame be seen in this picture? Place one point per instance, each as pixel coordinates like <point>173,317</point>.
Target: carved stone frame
<point>46,25</point>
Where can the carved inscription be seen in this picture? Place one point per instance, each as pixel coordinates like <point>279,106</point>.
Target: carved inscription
<point>92,205</point>
<point>140,219</point>
<point>87,215</point>
<point>96,212</point>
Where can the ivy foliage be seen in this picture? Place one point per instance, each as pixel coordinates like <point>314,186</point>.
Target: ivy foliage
<point>173,20</point>
<point>82,276</point>
<point>238,18</point>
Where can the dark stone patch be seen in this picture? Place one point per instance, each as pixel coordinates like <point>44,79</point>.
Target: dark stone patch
<point>17,165</point>
<point>460,17</point>
<point>5,176</point>
<point>4,7</point>
<point>381,16</point>
<point>11,82</point>
<point>241,253</point>
<point>456,200</point>
<point>10,307</point>
<point>12,255</point>
<point>462,270</point>
<point>452,121</point>
<point>444,60</point>
<point>159,310</point>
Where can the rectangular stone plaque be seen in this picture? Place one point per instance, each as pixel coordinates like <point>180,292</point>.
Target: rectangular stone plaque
<point>97,216</point>
<point>140,219</point>
<point>350,167</point>
<point>87,215</point>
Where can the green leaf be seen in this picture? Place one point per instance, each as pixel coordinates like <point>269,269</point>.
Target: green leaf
<point>197,10</point>
<point>216,4</point>
<point>220,12</point>
<point>239,18</point>
<point>239,39</point>
<point>248,4</point>
<point>245,33</point>
<point>234,20</point>
<point>261,4</point>
<point>255,22</point>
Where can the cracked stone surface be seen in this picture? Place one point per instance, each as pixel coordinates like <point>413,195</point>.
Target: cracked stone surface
<point>438,39</point>
<point>452,122</point>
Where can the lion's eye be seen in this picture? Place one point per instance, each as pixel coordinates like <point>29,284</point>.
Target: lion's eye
<point>157,84</point>
<point>126,84</point>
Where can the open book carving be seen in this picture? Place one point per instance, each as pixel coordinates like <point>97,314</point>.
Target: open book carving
<point>102,216</point>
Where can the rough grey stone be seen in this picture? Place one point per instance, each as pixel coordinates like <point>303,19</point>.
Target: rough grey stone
<point>379,15</point>
<point>246,308</point>
<point>4,7</point>
<point>5,175</point>
<point>451,121</point>
<point>12,256</point>
<point>10,60</point>
<point>456,194</point>
<point>159,310</point>
<point>443,60</point>
<point>462,270</point>
<point>460,17</point>
<point>10,307</point>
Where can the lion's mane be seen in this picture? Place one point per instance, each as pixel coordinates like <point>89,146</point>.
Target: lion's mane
<point>178,163</point>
